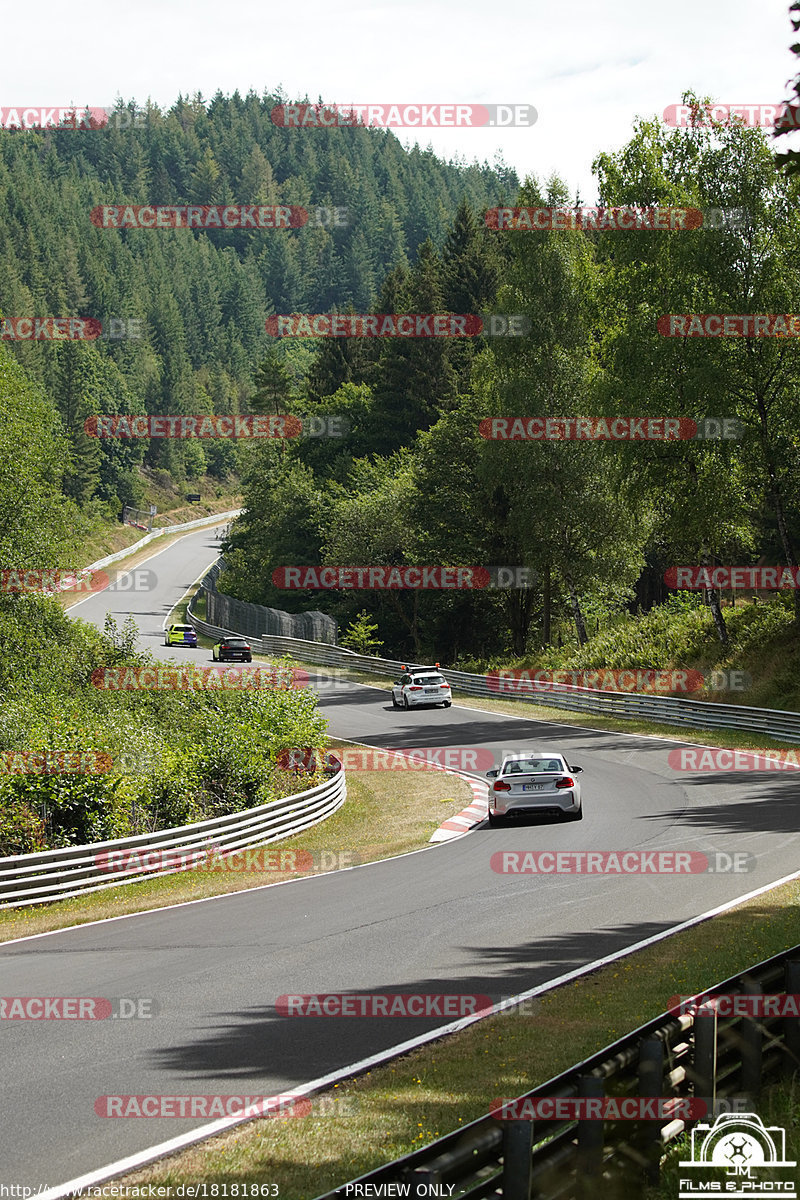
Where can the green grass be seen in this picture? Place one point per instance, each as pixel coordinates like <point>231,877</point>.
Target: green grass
<point>679,635</point>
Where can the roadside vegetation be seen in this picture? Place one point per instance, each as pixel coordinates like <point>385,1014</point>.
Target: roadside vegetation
<point>163,758</point>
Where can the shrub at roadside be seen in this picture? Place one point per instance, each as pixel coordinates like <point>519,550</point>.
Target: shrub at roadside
<point>168,758</point>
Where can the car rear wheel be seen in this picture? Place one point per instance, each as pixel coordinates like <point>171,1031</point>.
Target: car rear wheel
<point>495,821</point>
<point>394,701</point>
<point>447,703</point>
<point>406,705</point>
<point>249,658</point>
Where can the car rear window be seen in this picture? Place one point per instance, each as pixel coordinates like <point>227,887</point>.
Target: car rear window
<point>234,642</point>
<point>183,628</point>
<point>534,766</point>
<point>428,679</point>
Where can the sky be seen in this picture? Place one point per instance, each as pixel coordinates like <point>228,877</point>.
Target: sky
<point>588,67</point>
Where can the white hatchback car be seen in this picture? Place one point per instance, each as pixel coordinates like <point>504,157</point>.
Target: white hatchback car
<point>421,685</point>
<point>539,781</point>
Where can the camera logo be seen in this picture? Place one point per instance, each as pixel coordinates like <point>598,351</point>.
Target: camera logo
<point>742,1144</point>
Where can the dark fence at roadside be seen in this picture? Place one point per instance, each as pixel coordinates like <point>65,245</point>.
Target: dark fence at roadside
<point>255,620</point>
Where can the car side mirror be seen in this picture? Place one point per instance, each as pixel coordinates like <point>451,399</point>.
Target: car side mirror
<point>491,774</point>
<point>576,770</point>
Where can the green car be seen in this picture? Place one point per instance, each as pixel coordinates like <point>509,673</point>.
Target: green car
<point>180,635</point>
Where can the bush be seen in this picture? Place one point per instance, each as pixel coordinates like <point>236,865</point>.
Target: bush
<point>21,831</point>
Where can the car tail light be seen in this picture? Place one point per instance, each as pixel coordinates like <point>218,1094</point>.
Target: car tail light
<point>566,782</point>
<point>414,687</point>
<point>499,786</point>
<point>444,685</point>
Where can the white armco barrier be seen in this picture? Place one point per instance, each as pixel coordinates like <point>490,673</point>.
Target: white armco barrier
<point>49,875</point>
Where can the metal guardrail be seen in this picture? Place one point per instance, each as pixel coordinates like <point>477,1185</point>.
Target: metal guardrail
<point>718,1060</point>
<point>668,710</point>
<point>49,875</point>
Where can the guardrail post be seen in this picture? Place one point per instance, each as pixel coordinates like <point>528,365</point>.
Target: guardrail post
<point>751,1046</point>
<point>517,1159</point>
<point>591,1136</point>
<point>703,1072</point>
<point>428,1177</point>
<point>651,1085</point>
<point>791,1025</point>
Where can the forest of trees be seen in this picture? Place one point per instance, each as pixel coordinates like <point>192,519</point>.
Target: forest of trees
<point>201,297</point>
<point>413,482</point>
<point>597,522</point>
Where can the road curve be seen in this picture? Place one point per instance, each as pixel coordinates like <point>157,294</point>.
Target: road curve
<point>437,921</point>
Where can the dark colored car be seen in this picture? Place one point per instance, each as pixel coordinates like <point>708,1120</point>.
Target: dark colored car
<point>232,648</point>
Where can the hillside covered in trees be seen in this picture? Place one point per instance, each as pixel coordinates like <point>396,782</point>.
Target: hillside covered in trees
<point>597,522</point>
<point>200,297</point>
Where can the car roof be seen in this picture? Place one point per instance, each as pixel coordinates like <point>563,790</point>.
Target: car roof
<point>534,754</point>
<point>234,637</point>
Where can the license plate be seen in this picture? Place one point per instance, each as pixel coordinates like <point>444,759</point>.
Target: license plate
<point>431,689</point>
<point>532,787</point>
